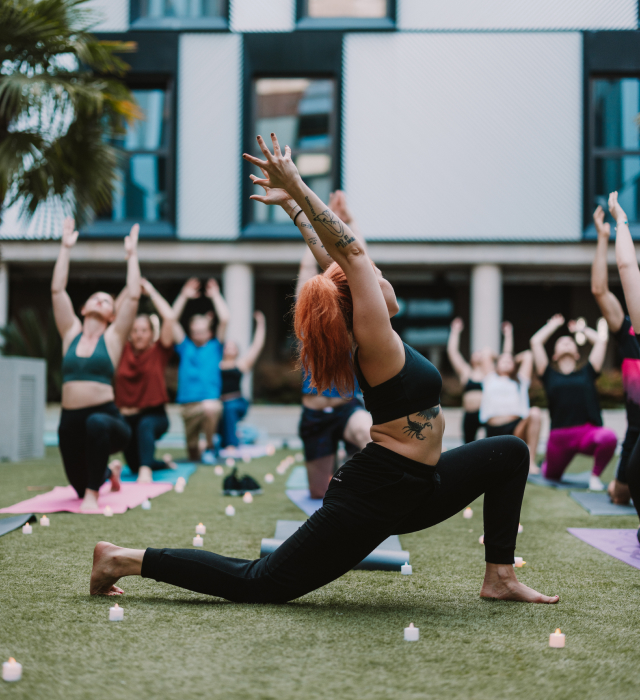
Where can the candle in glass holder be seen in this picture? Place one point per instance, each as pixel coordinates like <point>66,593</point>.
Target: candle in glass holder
<point>229,510</point>
<point>411,633</point>
<point>218,470</point>
<point>247,498</point>
<point>519,562</point>
<point>230,462</point>
<point>406,569</point>
<point>27,529</point>
<point>481,539</point>
<point>108,512</point>
<point>520,528</point>
<point>467,513</point>
<point>269,478</point>
<point>246,459</point>
<point>271,450</point>
<point>146,504</point>
<point>198,541</point>
<point>11,670</point>
<point>299,457</point>
<point>556,640</point>
<point>44,521</point>
<point>201,529</point>
<point>116,613</point>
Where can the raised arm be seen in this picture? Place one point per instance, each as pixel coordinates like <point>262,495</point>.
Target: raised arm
<point>598,339</point>
<point>525,361</point>
<point>220,305</point>
<point>67,323</point>
<point>626,260</point>
<point>125,315</point>
<point>245,363</point>
<point>609,305</point>
<point>190,290</point>
<point>338,205</point>
<point>163,308</point>
<point>507,338</point>
<point>538,339</point>
<point>461,367</point>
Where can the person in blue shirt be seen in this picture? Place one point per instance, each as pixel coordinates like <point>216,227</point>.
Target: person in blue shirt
<point>199,378</point>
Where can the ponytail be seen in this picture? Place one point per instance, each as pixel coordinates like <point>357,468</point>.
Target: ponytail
<point>323,325</point>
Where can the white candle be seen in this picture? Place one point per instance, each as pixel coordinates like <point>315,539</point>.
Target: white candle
<point>271,450</point>
<point>556,640</point>
<point>247,498</point>
<point>411,633</point>
<point>116,613</point>
<point>406,569</point>
<point>44,521</point>
<point>519,562</point>
<point>246,459</point>
<point>299,457</point>
<point>481,539</point>
<point>198,541</point>
<point>230,462</point>
<point>269,478</point>
<point>108,512</point>
<point>201,529</point>
<point>467,513</point>
<point>146,504</point>
<point>281,469</point>
<point>520,528</point>
<point>230,510</point>
<point>27,529</point>
<point>11,670</point>
<point>179,487</point>
<point>218,470</point>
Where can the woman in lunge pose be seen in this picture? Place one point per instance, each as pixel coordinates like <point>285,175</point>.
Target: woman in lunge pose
<point>576,421</point>
<point>399,483</point>
<point>91,427</point>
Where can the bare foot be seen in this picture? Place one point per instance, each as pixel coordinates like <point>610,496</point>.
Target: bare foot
<point>90,501</point>
<point>104,573</point>
<point>168,460</point>
<point>500,582</point>
<point>145,475</point>
<point>534,468</point>
<point>116,468</point>
<point>619,493</point>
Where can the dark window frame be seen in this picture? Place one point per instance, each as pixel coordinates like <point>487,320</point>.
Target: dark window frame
<point>305,22</point>
<point>313,55</point>
<point>207,24</point>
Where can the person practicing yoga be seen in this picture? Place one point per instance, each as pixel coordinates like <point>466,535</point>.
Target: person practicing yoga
<point>232,367</point>
<point>574,407</point>
<point>505,409</point>
<point>470,375</point>
<point>141,389</point>
<point>401,482</point>
<point>199,377</point>
<point>91,427</point>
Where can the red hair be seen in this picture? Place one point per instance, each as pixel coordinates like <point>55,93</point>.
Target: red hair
<point>323,325</point>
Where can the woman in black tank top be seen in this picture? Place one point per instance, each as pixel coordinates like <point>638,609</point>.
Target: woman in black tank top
<point>399,483</point>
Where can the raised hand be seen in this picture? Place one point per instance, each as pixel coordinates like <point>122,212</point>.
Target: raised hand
<point>212,288</point>
<point>281,170</point>
<point>507,327</point>
<point>69,234</point>
<point>259,317</point>
<point>556,321</point>
<point>602,229</point>
<point>191,288</point>
<point>131,241</point>
<point>272,195</point>
<point>457,325</point>
<point>146,287</point>
<point>616,210</point>
<point>338,205</point>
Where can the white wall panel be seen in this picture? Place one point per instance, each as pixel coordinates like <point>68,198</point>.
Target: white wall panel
<point>209,137</point>
<point>464,136</point>
<point>262,15</point>
<point>113,15</point>
<point>517,14</point>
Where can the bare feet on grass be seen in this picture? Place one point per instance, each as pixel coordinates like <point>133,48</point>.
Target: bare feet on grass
<point>500,583</point>
<point>534,468</point>
<point>90,501</point>
<point>116,469</point>
<point>111,563</point>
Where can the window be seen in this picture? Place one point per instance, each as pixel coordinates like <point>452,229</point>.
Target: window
<point>301,113</point>
<point>615,143</point>
<point>177,14</point>
<point>347,14</point>
<point>142,193</point>
<point>347,8</point>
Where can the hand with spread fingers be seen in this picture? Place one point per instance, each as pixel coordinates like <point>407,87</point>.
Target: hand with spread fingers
<point>272,195</point>
<point>616,210</point>
<point>281,170</point>
<point>602,229</point>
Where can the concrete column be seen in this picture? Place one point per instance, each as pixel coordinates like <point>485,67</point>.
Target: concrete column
<point>486,306</point>
<point>237,288</point>
<point>4,294</point>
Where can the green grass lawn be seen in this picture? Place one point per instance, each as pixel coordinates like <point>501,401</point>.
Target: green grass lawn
<point>342,641</point>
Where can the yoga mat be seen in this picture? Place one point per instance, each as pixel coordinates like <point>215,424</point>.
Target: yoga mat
<point>14,522</point>
<point>64,498</point>
<point>242,451</point>
<point>568,481</point>
<point>298,479</point>
<point>621,544</point>
<point>302,499</point>
<point>598,503</point>
<point>168,476</point>
<point>388,556</point>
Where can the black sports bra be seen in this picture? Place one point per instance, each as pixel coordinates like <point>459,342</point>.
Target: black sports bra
<point>415,388</point>
<point>472,385</point>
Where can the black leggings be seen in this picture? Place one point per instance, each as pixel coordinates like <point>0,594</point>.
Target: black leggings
<point>470,425</point>
<point>146,427</point>
<point>633,475</point>
<point>377,493</point>
<point>87,436</point>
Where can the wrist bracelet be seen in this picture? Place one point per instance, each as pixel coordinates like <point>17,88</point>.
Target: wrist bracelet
<point>297,215</point>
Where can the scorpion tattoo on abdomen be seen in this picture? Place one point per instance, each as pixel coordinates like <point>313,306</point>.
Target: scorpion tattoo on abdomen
<point>414,429</point>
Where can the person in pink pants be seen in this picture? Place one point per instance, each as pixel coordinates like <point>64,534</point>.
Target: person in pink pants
<point>576,419</point>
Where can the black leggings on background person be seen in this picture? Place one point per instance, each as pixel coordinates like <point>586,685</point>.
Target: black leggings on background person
<point>87,436</point>
<point>376,494</point>
<point>146,427</point>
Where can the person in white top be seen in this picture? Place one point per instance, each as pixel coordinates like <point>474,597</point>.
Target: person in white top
<point>505,406</point>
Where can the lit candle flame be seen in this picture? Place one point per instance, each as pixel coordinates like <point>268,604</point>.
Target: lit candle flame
<point>199,524</point>
<point>411,624</point>
<point>558,631</point>
<point>12,660</point>
<point>116,605</point>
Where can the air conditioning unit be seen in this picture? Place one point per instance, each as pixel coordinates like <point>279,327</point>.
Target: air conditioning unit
<point>22,406</point>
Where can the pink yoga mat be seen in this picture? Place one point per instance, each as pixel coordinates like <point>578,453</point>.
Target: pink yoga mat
<point>621,544</point>
<point>64,498</point>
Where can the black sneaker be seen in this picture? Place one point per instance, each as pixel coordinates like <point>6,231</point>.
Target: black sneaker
<point>232,486</point>
<point>248,483</point>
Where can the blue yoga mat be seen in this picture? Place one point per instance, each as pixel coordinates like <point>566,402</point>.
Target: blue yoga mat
<point>568,481</point>
<point>298,478</point>
<point>170,476</point>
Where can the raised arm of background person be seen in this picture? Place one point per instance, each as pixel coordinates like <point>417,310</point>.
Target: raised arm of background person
<point>380,348</point>
<point>525,361</point>
<point>626,260</point>
<point>609,305</point>
<point>163,308</point>
<point>598,339</point>
<point>117,333</point>
<point>538,339</point>
<point>507,338</point>
<point>461,367</point>
<point>246,362</point>
<point>190,290</point>
<point>67,323</point>
<point>220,305</point>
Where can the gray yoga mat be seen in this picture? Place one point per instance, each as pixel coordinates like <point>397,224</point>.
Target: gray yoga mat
<point>600,504</point>
<point>388,556</point>
<point>14,522</point>
<point>568,481</point>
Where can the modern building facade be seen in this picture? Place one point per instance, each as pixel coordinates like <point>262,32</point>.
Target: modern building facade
<point>473,141</point>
